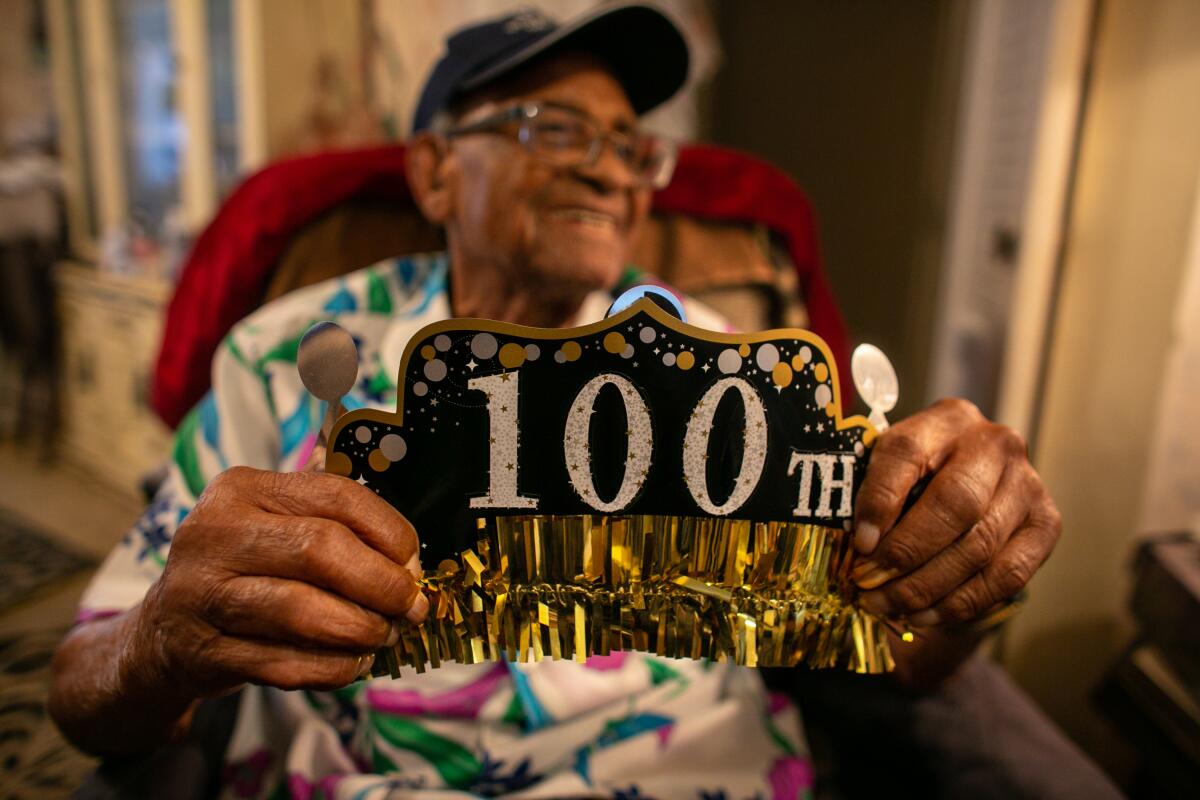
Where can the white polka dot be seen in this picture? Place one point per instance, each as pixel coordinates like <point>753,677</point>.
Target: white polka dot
<point>560,357</point>
<point>442,343</point>
<point>420,388</point>
<point>647,334</point>
<point>669,359</point>
<point>483,345</point>
<point>858,448</point>
<point>729,361</point>
<point>627,352</point>
<point>393,447</point>
<point>363,434</point>
<point>767,357</point>
<point>806,354</point>
<point>532,351</point>
<point>823,395</point>
<point>435,370</point>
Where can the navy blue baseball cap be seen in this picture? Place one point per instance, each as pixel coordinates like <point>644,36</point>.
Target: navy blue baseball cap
<point>639,43</point>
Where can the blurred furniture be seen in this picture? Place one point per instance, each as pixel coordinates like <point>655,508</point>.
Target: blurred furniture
<point>729,229</point>
<point>239,82</point>
<point>30,232</point>
<point>110,326</point>
<point>120,134</point>
<point>1152,693</point>
<point>28,344</point>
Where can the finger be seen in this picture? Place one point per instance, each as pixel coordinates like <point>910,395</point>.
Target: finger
<point>316,460</point>
<point>308,494</point>
<point>955,500</point>
<point>287,666</point>
<point>964,557</point>
<point>903,455</point>
<point>998,582</point>
<point>296,613</point>
<point>327,554</point>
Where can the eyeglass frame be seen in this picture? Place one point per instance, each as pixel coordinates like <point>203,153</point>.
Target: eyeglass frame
<point>525,113</point>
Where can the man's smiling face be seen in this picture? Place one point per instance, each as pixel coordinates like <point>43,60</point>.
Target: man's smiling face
<point>548,228</point>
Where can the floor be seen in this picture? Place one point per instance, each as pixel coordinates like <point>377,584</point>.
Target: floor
<point>81,514</point>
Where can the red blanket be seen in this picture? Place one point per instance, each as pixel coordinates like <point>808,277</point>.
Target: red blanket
<point>226,273</point>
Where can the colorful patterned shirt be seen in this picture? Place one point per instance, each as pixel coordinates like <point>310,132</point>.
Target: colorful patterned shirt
<point>623,726</point>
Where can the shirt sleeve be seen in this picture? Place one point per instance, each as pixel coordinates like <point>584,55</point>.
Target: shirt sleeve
<point>234,424</point>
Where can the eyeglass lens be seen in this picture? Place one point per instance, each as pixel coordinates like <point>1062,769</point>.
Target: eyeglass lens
<point>568,140</point>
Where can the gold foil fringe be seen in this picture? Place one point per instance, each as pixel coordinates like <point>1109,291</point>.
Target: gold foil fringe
<point>567,587</point>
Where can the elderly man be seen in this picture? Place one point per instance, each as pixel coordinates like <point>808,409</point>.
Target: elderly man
<point>249,570</point>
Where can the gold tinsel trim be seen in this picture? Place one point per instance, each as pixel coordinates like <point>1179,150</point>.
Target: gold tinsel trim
<point>759,594</point>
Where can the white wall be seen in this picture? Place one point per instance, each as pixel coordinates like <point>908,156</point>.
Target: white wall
<point>1004,93</point>
<point>1171,500</point>
<point>1126,250</point>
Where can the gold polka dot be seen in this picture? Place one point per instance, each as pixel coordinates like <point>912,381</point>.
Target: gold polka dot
<point>378,461</point>
<point>571,350</point>
<point>685,360</point>
<point>830,408</point>
<point>821,372</point>
<point>798,363</point>
<point>614,342</point>
<point>744,350</point>
<point>338,464</point>
<point>428,352</point>
<point>781,374</point>
<point>512,355</point>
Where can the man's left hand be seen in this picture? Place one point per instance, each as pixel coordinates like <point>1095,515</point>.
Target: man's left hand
<point>976,535</point>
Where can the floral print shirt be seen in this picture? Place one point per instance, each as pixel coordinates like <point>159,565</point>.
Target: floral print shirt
<point>626,725</point>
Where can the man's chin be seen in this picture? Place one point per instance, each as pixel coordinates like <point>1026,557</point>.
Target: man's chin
<point>577,274</point>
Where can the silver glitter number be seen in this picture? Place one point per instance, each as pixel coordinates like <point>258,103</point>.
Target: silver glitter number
<point>504,439</point>
<point>695,446</point>
<point>640,437</point>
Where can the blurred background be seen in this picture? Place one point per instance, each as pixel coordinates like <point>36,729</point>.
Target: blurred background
<point>1007,200</point>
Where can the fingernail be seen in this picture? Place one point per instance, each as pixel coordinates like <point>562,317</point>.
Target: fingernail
<point>874,577</point>
<point>863,566</point>
<point>866,537</point>
<point>393,634</point>
<point>925,619</point>
<point>876,603</point>
<point>413,565</point>
<point>365,669</point>
<point>418,610</point>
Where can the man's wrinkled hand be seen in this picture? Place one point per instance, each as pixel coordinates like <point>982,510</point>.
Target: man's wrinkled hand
<point>289,580</point>
<point>974,538</point>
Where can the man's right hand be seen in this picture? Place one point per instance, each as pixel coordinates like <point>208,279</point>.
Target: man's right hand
<point>284,579</point>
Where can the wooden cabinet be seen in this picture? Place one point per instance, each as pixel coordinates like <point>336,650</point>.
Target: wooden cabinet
<point>110,333</point>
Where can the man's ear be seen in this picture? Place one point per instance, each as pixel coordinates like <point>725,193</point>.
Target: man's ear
<point>426,161</point>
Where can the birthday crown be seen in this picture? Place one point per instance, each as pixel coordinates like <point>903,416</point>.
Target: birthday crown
<point>634,484</point>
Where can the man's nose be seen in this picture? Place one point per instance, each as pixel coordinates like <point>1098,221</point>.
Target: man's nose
<point>608,171</point>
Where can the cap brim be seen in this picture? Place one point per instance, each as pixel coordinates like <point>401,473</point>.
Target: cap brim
<point>643,47</point>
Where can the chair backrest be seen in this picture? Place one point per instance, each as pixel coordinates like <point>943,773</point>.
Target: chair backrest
<point>730,230</point>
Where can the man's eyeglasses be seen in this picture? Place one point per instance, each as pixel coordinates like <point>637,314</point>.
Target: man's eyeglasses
<point>568,139</point>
